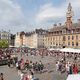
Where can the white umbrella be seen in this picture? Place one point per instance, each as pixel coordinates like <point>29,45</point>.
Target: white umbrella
<point>54,49</point>
<point>73,77</point>
<point>70,50</point>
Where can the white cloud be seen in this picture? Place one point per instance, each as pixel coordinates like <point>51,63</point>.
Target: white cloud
<point>10,14</point>
<point>50,12</point>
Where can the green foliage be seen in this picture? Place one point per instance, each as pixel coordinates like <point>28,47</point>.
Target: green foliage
<point>4,44</point>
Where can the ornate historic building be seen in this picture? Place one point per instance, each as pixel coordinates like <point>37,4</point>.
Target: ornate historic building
<point>19,41</point>
<point>33,39</point>
<point>5,35</point>
<point>67,35</point>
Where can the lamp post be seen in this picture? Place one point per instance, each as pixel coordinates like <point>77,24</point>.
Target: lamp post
<point>9,38</point>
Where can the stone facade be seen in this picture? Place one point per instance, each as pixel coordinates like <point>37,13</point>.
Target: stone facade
<point>67,35</point>
<point>33,39</point>
<point>5,35</point>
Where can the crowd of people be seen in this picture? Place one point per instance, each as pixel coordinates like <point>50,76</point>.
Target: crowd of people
<point>27,69</point>
<point>69,68</point>
<point>29,66</point>
<point>66,62</point>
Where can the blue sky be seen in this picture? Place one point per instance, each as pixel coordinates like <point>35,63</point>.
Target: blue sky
<point>26,15</point>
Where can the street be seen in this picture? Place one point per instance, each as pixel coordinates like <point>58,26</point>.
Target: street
<point>12,74</point>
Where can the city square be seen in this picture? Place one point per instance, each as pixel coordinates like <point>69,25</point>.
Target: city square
<point>49,59</point>
<point>11,73</point>
<point>39,40</point>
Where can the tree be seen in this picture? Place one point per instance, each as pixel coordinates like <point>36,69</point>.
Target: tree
<point>4,44</point>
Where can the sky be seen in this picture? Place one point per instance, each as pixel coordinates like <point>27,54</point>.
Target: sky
<point>27,15</point>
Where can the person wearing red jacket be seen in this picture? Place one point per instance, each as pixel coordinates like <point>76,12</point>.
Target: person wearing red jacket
<point>25,77</point>
<point>75,69</point>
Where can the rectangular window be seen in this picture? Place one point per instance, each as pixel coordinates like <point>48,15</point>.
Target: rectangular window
<point>50,46</point>
<point>51,43</point>
<point>72,43</point>
<point>53,38</point>
<point>64,38</point>
<point>48,39</point>
<point>56,44</point>
<point>76,43</point>
<point>68,37</point>
<point>77,37</point>
<point>59,44</point>
<point>72,37</point>
<point>68,43</point>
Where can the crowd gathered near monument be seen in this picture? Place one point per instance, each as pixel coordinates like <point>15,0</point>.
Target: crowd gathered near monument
<point>65,62</point>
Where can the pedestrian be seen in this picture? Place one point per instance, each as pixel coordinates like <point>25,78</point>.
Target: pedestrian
<point>48,67</point>
<point>67,68</point>
<point>25,77</point>
<point>8,63</point>
<point>1,76</point>
<point>57,66</point>
<point>32,73</point>
<point>29,76</point>
<point>60,66</point>
<point>22,64</point>
<point>21,75</point>
<point>70,69</point>
<point>17,65</point>
<point>27,64</point>
<point>75,69</point>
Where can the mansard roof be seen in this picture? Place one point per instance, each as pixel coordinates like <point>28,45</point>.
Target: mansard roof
<point>75,25</point>
<point>22,33</point>
<point>60,28</point>
<point>28,33</point>
<point>37,31</point>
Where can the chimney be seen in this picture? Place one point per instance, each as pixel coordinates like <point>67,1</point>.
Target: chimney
<point>78,20</point>
<point>60,24</point>
<point>55,25</point>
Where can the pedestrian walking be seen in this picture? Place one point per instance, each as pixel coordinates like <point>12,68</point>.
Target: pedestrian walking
<point>25,77</point>
<point>21,75</point>
<point>67,68</point>
<point>70,69</point>
<point>75,69</point>
<point>57,66</point>
<point>48,67</point>
<point>1,76</point>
